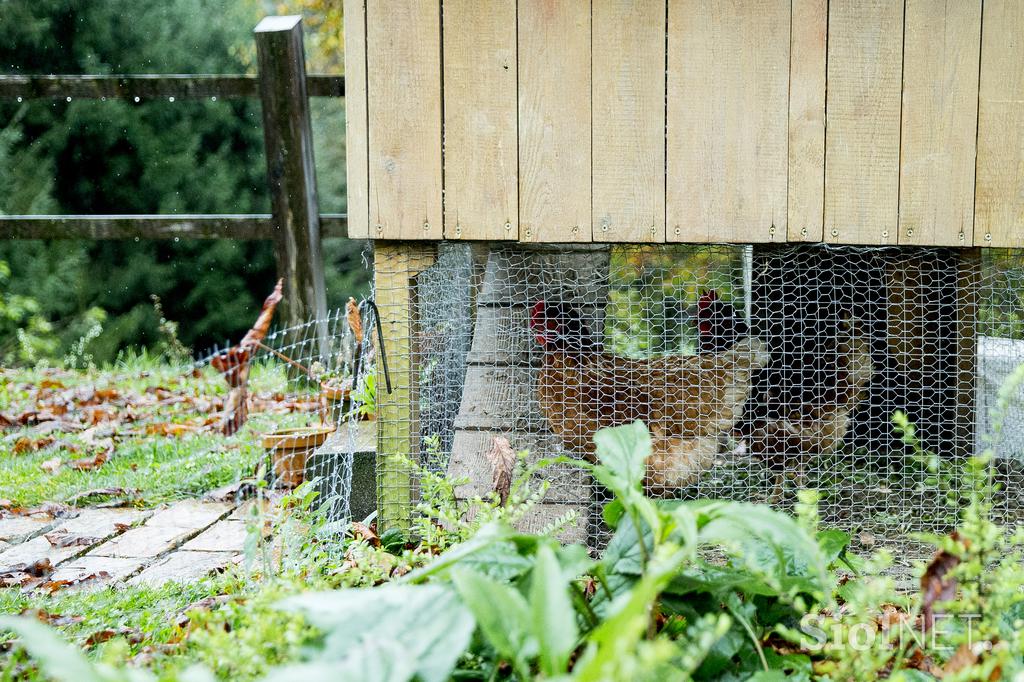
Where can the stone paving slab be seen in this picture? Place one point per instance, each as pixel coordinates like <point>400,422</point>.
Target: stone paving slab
<point>191,514</point>
<point>15,529</point>
<point>223,536</point>
<point>102,523</point>
<point>144,542</point>
<point>182,566</point>
<point>81,568</point>
<point>98,524</point>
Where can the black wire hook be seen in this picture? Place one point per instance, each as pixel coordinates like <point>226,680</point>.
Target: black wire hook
<point>380,344</point>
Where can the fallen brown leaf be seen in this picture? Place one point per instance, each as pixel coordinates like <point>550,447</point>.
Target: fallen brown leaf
<point>133,635</point>
<point>55,619</point>
<point>936,583</point>
<point>102,492</point>
<point>26,444</point>
<point>90,463</point>
<point>503,462</point>
<point>361,531</point>
<point>170,429</point>
<point>62,538</point>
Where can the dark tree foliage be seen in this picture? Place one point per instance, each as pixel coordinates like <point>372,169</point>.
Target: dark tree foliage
<point>188,156</point>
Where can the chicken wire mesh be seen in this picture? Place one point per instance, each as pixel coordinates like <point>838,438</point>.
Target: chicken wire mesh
<point>758,370</point>
<point>319,378</point>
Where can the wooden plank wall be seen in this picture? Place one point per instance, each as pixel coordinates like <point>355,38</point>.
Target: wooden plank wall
<point>629,121</point>
<point>999,218</point>
<point>845,121</point>
<point>728,66</point>
<point>554,121</point>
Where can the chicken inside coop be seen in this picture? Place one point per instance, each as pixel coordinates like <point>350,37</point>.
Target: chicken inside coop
<point>687,402</point>
<point>758,371</point>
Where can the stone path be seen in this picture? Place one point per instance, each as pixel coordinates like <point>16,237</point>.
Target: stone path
<point>181,542</point>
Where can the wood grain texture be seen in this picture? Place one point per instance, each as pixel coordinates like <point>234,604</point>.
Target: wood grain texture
<point>481,198</point>
<point>554,121</point>
<point>807,120</point>
<point>728,81</point>
<point>629,120</point>
<point>939,122</point>
<point>865,52</point>
<point>395,266</point>
<point>403,44</point>
<point>999,219</point>
<point>356,167</point>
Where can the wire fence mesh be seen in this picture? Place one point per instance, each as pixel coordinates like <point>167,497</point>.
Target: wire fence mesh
<point>758,370</point>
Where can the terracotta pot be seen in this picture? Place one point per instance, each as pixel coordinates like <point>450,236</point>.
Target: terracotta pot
<point>336,391</point>
<point>289,449</point>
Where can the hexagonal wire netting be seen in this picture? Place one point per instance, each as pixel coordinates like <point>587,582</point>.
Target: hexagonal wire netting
<point>759,371</point>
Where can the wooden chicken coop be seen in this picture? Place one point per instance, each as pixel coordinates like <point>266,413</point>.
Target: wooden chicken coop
<point>846,176</point>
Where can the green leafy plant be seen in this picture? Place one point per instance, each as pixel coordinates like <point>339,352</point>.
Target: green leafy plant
<point>364,396</point>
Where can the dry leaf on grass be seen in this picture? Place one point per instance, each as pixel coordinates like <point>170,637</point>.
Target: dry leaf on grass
<point>360,531</point>
<point>55,619</point>
<point>94,462</point>
<point>103,492</point>
<point>133,635</point>
<point>25,444</point>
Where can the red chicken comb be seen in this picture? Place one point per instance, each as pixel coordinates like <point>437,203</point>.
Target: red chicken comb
<point>707,298</point>
<point>537,312</point>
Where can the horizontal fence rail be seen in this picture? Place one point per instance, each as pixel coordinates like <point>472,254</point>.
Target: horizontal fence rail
<point>183,226</point>
<point>182,86</point>
<point>295,223</point>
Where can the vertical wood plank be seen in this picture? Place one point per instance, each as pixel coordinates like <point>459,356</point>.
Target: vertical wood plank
<point>403,49</point>
<point>728,82</point>
<point>865,53</point>
<point>554,121</point>
<point>999,219</point>
<point>939,122</point>
<point>395,266</point>
<point>356,168</point>
<point>807,120</point>
<point>629,120</point>
<point>481,198</point>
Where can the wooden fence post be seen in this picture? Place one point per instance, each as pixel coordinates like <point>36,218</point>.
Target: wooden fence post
<point>290,171</point>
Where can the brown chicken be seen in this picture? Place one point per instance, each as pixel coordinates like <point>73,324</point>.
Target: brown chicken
<point>801,403</point>
<point>686,401</point>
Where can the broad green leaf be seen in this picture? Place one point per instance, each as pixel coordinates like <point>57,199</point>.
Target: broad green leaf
<point>769,544</point>
<point>553,615</point>
<point>623,451</point>
<point>612,642</point>
<point>485,537</point>
<point>428,624</point>
<point>501,613</point>
<point>56,658</point>
<point>375,662</point>
<point>612,512</point>
<point>499,560</point>
<point>833,542</point>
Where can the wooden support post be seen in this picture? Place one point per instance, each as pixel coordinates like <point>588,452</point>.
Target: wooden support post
<point>395,267</point>
<point>290,170</point>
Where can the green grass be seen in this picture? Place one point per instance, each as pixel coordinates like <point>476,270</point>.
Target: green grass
<point>160,467</point>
